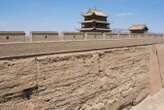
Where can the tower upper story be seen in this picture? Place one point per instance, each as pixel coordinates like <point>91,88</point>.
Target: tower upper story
<point>95,21</point>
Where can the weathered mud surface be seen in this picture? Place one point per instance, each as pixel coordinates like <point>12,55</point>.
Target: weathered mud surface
<point>114,79</point>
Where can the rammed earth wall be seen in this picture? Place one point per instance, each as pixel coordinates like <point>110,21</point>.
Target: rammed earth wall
<point>10,37</point>
<point>108,79</point>
<point>51,36</point>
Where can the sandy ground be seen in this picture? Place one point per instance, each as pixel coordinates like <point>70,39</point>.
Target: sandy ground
<point>155,102</point>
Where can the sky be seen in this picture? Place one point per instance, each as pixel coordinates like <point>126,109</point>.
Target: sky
<point>65,15</point>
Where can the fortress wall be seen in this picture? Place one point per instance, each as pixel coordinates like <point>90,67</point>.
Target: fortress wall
<point>130,35</point>
<point>44,36</point>
<point>155,73</point>
<point>160,55</point>
<point>6,37</point>
<point>73,36</point>
<point>111,36</point>
<point>94,35</point>
<point>126,35</point>
<point>115,79</point>
<point>104,79</point>
<point>50,36</point>
<point>28,49</point>
<point>28,39</point>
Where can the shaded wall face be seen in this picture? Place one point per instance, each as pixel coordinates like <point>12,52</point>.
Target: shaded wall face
<point>100,18</point>
<point>108,79</point>
<point>139,31</point>
<point>100,25</point>
<point>88,25</point>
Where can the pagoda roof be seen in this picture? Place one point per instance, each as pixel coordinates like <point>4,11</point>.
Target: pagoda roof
<point>94,11</point>
<point>138,27</point>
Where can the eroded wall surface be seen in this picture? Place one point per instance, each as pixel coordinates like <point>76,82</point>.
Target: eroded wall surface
<point>113,79</point>
<point>160,55</point>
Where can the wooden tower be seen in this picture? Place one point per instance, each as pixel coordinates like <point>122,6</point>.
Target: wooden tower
<point>95,21</point>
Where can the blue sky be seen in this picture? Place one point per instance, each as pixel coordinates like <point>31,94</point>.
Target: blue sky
<point>64,15</point>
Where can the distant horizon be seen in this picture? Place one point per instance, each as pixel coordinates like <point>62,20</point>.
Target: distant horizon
<point>63,15</point>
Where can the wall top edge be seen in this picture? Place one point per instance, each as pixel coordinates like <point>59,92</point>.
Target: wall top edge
<point>12,33</point>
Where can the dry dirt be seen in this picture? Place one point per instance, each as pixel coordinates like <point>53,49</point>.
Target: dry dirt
<point>155,102</point>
